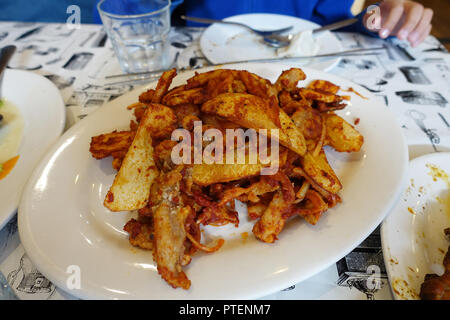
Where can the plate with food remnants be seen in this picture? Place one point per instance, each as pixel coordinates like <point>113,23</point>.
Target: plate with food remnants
<point>215,184</point>
<point>222,43</point>
<point>416,234</point>
<point>32,117</point>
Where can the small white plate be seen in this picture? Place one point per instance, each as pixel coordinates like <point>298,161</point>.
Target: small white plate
<point>226,43</point>
<point>43,112</point>
<point>64,226</point>
<point>413,234</point>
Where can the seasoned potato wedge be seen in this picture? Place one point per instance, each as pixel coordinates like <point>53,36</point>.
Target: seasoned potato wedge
<point>318,169</point>
<point>341,135</point>
<point>322,96</point>
<point>131,187</point>
<point>184,96</point>
<point>294,138</point>
<point>324,85</point>
<point>250,111</point>
<point>163,85</point>
<point>207,174</point>
<point>289,79</point>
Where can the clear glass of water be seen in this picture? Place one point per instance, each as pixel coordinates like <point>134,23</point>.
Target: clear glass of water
<point>138,30</point>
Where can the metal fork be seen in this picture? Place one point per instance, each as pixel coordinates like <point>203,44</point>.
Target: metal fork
<point>279,41</point>
<point>259,32</point>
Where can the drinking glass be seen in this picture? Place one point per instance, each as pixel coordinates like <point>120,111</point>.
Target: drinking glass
<point>138,30</point>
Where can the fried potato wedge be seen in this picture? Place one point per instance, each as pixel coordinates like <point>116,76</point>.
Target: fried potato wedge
<point>264,89</point>
<point>221,84</point>
<point>272,221</point>
<point>201,79</point>
<point>318,169</point>
<point>184,96</point>
<point>163,85</point>
<point>289,79</point>
<point>312,207</point>
<point>292,137</point>
<point>131,187</point>
<point>161,121</point>
<point>341,135</point>
<point>207,174</point>
<point>250,111</point>
<point>110,144</point>
<point>245,109</point>
<point>324,85</point>
<point>317,95</point>
<point>308,120</point>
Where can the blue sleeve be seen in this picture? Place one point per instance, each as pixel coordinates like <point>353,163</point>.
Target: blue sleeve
<point>329,11</point>
<point>320,11</point>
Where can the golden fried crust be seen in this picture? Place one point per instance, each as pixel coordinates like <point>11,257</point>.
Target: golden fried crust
<point>201,79</point>
<point>262,88</point>
<point>147,96</point>
<point>308,120</point>
<point>251,111</point>
<point>341,135</point>
<point>140,234</point>
<point>289,79</point>
<point>131,187</point>
<point>435,287</point>
<point>111,144</point>
<point>183,110</point>
<point>319,170</point>
<point>318,95</point>
<point>163,85</point>
<point>324,85</point>
<point>272,221</point>
<point>207,174</point>
<point>182,96</point>
<point>162,121</point>
<point>312,207</point>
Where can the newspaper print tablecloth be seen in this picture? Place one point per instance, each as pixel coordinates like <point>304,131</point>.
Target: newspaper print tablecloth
<point>413,83</point>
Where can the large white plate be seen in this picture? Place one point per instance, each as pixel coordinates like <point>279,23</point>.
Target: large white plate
<point>412,235</point>
<point>225,43</point>
<point>62,221</point>
<point>43,112</point>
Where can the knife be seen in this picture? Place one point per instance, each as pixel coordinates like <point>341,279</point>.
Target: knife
<point>336,25</point>
<point>352,52</point>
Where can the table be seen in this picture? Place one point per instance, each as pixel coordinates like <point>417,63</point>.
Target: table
<point>413,83</point>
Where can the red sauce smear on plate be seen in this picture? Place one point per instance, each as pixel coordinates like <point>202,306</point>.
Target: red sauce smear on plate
<point>354,91</point>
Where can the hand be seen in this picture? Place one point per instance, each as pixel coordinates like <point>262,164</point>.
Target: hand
<point>408,20</point>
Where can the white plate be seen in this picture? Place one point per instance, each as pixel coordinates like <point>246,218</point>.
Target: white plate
<point>225,43</point>
<point>43,112</point>
<point>412,235</point>
<point>62,221</point>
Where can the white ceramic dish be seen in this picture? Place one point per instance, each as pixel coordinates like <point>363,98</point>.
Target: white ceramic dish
<point>225,43</point>
<point>43,112</point>
<point>412,235</point>
<point>63,223</point>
